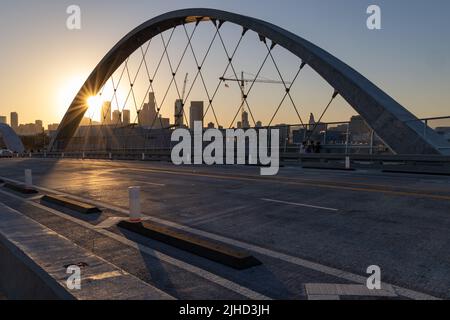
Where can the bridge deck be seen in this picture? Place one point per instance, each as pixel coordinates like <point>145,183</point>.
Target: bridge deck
<point>307,227</point>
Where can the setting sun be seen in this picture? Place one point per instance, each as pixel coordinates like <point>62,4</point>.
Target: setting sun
<point>94,102</point>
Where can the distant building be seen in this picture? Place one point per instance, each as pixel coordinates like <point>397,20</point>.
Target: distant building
<point>85,122</point>
<point>358,125</point>
<point>116,117</point>
<point>312,121</point>
<point>245,122</point>
<point>14,120</point>
<point>30,129</point>
<point>39,126</point>
<point>106,113</point>
<point>239,125</point>
<point>126,118</point>
<point>196,113</point>
<point>258,124</point>
<point>179,113</point>
<point>3,120</point>
<point>53,127</point>
<point>318,127</point>
<point>211,125</point>
<point>161,123</point>
<point>147,116</point>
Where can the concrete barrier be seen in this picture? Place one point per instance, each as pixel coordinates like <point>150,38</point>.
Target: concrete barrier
<point>20,188</point>
<point>208,249</point>
<point>71,204</point>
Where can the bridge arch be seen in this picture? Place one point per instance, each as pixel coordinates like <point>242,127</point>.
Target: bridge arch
<point>11,139</point>
<point>395,125</point>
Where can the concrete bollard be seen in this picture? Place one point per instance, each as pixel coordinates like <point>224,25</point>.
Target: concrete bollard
<point>110,156</point>
<point>29,155</point>
<point>83,156</point>
<point>62,155</point>
<point>347,162</point>
<point>135,203</point>
<point>28,178</point>
<point>143,156</point>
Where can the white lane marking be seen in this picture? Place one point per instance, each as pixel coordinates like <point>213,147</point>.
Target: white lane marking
<point>299,204</point>
<point>232,286</point>
<point>151,183</point>
<point>250,247</point>
<point>332,290</point>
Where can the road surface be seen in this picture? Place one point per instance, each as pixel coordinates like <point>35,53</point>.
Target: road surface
<point>308,227</point>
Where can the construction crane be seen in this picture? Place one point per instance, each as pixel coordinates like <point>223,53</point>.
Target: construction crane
<point>179,104</point>
<point>186,79</point>
<point>243,82</point>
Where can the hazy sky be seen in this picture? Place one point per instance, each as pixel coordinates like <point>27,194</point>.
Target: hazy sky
<point>43,64</point>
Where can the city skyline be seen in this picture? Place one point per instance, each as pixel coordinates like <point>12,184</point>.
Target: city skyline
<point>414,79</point>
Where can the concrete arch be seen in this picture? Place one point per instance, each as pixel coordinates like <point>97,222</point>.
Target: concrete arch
<point>395,125</point>
<point>11,139</point>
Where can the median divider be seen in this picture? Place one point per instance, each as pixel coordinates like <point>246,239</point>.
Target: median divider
<point>74,205</point>
<point>20,188</point>
<point>208,249</point>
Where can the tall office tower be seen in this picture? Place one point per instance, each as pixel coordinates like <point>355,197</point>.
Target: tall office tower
<point>39,125</point>
<point>116,117</point>
<point>3,119</point>
<point>196,113</point>
<point>179,113</point>
<point>148,114</point>
<point>14,120</point>
<point>106,113</point>
<point>126,118</point>
<point>245,122</point>
<point>312,121</point>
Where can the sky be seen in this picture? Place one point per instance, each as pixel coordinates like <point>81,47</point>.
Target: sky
<point>43,64</point>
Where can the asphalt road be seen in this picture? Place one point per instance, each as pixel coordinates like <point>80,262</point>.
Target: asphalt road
<point>300,223</point>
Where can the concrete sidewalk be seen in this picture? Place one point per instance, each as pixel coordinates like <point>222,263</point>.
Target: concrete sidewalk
<point>34,261</point>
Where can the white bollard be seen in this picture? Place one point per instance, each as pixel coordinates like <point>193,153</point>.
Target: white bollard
<point>143,156</point>
<point>28,178</point>
<point>29,155</point>
<point>110,156</point>
<point>62,155</point>
<point>135,203</point>
<point>347,162</point>
<point>83,155</point>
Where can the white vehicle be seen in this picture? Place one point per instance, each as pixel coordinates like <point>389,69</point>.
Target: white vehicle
<point>5,153</point>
